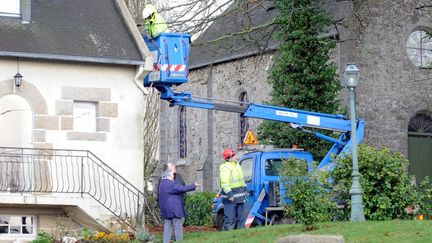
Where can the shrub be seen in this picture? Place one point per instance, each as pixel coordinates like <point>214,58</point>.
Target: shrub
<point>152,212</point>
<point>387,189</point>
<point>311,200</point>
<point>144,236</point>
<point>198,208</point>
<point>85,233</point>
<point>43,237</point>
<point>425,197</point>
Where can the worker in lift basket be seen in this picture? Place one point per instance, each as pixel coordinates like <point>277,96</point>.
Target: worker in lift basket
<point>233,192</point>
<point>155,24</point>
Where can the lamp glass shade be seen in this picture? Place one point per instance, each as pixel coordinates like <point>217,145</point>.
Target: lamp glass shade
<point>351,75</point>
<point>18,79</point>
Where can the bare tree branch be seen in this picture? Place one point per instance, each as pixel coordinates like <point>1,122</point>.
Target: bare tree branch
<point>230,35</point>
<point>151,145</point>
<point>423,6</point>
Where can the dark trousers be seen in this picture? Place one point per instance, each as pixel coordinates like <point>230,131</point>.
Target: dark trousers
<point>234,216</point>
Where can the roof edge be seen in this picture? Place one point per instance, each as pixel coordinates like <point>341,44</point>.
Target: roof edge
<point>70,58</point>
<point>231,58</point>
<point>133,30</point>
<point>331,34</point>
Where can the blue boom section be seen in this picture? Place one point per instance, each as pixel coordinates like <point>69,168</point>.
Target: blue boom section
<point>309,119</point>
<point>297,118</point>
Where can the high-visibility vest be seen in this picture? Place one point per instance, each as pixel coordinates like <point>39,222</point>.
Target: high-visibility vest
<point>231,176</point>
<point>156,25</point>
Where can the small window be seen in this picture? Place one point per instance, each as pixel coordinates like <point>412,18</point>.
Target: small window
<point>182,133</point>
<point>10,8</point>
<point>272,167</point>
<point>247,167</point>
<point>419,49</point>
<point>17,225</point>
<point>84,116</point>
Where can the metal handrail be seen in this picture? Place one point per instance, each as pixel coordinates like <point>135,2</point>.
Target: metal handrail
<point>71,171</point>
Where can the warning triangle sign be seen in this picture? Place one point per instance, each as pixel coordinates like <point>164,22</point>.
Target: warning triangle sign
<point>250,138</point>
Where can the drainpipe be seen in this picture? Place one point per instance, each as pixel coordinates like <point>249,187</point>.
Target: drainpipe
<point>141,72</point>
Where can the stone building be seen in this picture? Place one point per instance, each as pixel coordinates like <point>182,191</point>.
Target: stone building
<point>386,39</point>
<point>73,126</point>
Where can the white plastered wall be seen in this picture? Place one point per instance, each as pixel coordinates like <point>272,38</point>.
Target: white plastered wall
<point>122,149</point>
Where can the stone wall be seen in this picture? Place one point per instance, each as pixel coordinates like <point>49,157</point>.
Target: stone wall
<point>391,88</point>
<point>209,132</point>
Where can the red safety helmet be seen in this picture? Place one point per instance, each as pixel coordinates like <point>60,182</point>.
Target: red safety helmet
<point>228,154</point>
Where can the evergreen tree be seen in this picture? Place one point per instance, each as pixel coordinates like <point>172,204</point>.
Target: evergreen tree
<point>302,76</point>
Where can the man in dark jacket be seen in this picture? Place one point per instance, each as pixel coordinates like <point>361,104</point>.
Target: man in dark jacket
<point>177,179</point>
<point>172,205</point>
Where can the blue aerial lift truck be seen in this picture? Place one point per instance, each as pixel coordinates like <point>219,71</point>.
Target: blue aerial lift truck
<point>170,52</point>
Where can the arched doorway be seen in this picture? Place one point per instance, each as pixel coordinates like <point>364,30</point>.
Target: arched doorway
<point>16,122</point>
<point>16,130</point>
<point>420,146</point>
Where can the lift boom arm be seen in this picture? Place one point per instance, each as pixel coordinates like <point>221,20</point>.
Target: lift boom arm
<point>170,52</point>
<point>298,119</point>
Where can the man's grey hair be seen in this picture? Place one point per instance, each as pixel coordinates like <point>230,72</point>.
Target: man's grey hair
<point>166,174</point>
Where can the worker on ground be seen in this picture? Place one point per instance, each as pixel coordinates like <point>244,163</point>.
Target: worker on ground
<point>155,24</point>
<point>233,191</point>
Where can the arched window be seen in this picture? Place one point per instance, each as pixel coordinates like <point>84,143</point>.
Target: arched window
<point>243,121</point>
<point>182,132</point>
<point>419,49</point>
<point>421,123</point>
<point>420,146</point>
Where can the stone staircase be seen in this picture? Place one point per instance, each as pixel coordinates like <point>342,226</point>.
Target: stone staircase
<point>76,181</point>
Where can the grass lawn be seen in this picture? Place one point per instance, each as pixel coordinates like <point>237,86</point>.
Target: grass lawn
<point>370,231</point>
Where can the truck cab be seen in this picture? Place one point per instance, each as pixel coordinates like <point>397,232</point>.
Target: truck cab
<point>261,171</point>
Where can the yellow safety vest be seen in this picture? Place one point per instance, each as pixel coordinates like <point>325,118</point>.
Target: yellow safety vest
<point>156,25</point>
<point>231,176</point>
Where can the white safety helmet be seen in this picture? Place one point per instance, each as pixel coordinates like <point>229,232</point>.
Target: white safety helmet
<point>148,10</point>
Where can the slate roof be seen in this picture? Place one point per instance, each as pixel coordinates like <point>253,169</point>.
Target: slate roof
<point>77,30</point>
<point>234,45</point>
<point>205,50</point>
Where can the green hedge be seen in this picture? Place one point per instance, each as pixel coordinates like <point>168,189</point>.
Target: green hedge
<point>198,208</point>
<point>309,192</point>
<point>387,189</point>
<point>425,198</point>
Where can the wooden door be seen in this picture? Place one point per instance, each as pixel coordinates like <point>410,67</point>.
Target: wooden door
<point>420,147</point>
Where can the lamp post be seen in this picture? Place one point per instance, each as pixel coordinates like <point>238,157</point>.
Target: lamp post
<point>351,77</point>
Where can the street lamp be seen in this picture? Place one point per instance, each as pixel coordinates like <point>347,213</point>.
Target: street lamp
<point>351,77</point>
<point>17,77</point>
<point>18,80</point>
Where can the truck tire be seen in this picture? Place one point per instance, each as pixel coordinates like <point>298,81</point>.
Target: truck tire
<point>220,221</point>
